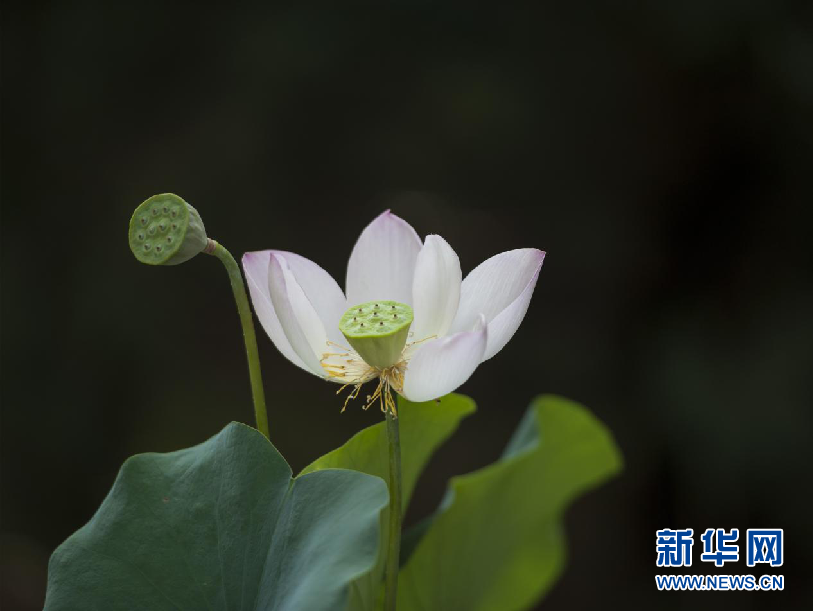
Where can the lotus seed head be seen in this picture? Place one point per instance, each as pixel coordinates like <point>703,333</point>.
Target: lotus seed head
<point>380,342</point>
<point>179,223</point>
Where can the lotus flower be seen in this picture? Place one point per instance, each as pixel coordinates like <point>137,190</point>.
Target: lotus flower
<point>458,323</point>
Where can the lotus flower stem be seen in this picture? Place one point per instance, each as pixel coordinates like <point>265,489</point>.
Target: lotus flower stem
<point>394,544</point>
<point>240,297</point>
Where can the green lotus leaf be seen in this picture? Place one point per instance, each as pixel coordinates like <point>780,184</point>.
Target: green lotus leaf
<point>496,543</point>
<point>218,526</point>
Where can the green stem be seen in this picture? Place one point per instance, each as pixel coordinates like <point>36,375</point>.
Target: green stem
<point>240,297</point>
<point>394,545</point>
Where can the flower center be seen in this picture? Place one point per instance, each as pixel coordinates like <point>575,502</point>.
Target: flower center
<point>378,331</point>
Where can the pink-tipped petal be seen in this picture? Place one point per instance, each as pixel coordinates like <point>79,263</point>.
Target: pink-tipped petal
<point>299,320</point>
<point>435,288</point>
<point>440,366</point>
<point>255,266</point>
<point>500,288</point>
<point>382,263</point>
<point>322,292</point>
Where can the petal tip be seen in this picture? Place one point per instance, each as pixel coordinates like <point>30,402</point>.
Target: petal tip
<point>539,258</point>
<point>275,258</point>
<point>252,259</point>
<point>389,216</point>
<point>383,215</point>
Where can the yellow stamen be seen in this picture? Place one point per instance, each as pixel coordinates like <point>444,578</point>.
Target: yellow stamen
<point>353,371</point>
<point>353,394</point>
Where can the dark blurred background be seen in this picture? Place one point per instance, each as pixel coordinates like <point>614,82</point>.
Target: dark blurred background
<point>660,152</point>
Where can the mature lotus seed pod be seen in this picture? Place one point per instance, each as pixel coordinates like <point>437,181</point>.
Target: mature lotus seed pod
<point>378,331</point>
<point>165,230</point>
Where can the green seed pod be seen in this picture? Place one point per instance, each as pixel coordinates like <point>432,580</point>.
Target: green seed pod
<point>378,331</point>
<point>165,230</point>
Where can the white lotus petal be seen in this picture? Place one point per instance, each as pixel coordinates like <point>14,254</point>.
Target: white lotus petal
<point>382,263</point>
<point>499,288</point>
<point>255,266</point>
<point>298,318</point>
<point>440,366</point>
<point>322,292</point>
<point>435,288</point>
